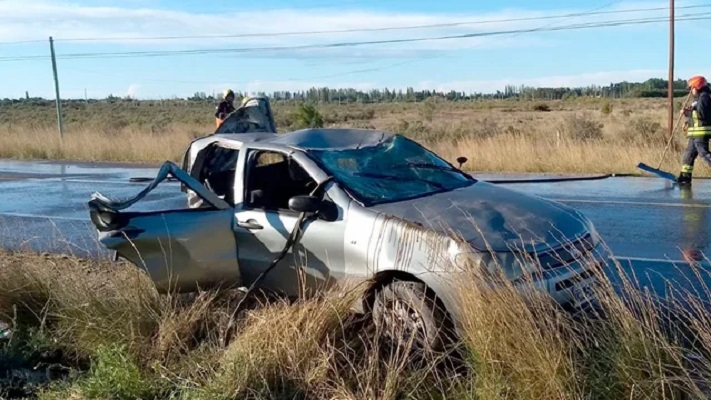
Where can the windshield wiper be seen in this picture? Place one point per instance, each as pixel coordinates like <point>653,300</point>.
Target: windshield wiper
<point>398,178</point>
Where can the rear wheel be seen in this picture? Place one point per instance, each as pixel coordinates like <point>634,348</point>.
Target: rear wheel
<point>410,317</point>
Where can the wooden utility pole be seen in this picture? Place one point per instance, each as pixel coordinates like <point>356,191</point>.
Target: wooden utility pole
<point>56,90</point>
<point>670,90</point>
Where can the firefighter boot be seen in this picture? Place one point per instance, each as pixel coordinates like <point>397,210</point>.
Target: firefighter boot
<point>684,178</point>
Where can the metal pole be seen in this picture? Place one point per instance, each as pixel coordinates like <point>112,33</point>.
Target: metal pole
<point>670,90</point>
<point>56,90</point>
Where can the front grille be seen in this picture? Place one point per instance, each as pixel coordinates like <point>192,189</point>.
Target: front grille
<point>572,281</point>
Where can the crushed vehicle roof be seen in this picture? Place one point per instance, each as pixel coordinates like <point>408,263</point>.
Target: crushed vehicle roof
<point>311,139</point>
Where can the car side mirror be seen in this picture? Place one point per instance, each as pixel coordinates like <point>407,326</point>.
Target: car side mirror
<point>305,204</point>
<point>461,161</point>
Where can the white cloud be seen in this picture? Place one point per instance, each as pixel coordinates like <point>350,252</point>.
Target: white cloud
<point>23,20</point>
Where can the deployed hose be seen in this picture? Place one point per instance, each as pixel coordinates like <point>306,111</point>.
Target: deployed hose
<point>145,179</point>
<point>551,180</point>
<point>290,242</point>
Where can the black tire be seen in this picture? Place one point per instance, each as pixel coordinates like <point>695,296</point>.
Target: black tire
<point>402,309</point>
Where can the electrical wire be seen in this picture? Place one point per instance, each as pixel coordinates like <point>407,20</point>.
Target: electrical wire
<point>164,53</point>
<point>364,30</point>
<point>374,69</point>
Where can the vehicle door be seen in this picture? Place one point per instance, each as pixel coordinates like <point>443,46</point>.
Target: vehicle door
<point>263,223</point>
<point>181,249</point>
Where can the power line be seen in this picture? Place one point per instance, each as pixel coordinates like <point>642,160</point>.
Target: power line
<point>382,29</point>
<point>363,30</point>
<point>362,70</point>
<point>165,53</point>
<point>374,69</point>
<point>25,42</point>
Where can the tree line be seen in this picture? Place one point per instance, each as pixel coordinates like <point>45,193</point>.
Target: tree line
<point>325,95</point>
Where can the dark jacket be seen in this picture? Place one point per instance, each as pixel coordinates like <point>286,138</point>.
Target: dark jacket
<point>699,119</point>
<point>224,109</point>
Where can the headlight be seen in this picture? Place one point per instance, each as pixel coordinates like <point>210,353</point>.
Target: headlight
<point>508,263</point>
<point>512,266</point>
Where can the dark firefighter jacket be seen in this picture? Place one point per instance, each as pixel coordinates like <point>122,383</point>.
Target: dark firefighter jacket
<point>223,109</point>
<point>700,118</point>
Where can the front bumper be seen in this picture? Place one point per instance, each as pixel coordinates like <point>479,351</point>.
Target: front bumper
<point>573,285</point>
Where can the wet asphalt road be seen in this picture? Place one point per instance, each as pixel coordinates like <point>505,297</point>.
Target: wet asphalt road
<point>646,222</point>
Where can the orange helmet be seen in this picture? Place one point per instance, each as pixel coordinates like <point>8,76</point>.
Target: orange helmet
<point>697,82</point>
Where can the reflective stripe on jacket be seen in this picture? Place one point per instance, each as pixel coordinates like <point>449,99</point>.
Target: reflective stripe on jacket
<point>700,118</point>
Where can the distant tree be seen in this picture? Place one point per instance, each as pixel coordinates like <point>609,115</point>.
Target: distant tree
<point>307,116</point>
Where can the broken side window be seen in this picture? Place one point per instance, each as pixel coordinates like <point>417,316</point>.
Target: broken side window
<point>215,168</point>
<point>272,179</point>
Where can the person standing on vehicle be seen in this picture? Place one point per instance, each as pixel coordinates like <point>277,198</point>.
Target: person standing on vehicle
<point>698,128</point>
<point>225,108</point>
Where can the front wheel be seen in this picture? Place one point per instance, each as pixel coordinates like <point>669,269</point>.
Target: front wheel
<point>410,317</point>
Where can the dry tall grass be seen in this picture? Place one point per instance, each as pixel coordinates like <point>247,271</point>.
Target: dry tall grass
<point>129,145</point>
<point>514,344</point>
<point>544,155</point>
<point>503,153</point>
<point>572,136</point>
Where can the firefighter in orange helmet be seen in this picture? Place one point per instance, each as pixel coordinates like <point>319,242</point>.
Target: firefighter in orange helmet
<point>698,128</point>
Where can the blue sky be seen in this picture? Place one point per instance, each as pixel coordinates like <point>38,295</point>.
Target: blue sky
<point>558,58</point>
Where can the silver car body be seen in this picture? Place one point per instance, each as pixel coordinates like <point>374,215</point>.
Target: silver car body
<point>220,239</point>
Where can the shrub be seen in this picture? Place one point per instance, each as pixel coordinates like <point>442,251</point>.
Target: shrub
<point>512,130</point>
<point>583,127</point>
<point>486,127</point>
<point>307,116</point>
<point>428,109</point>
<point>359,115</point>
<point>644,129</point>
<point>415,129</point>
<point>543,107</point>
<point>348,115</point>
<point>114,375</point>
<point>282,118</point>
<point>607,108</point>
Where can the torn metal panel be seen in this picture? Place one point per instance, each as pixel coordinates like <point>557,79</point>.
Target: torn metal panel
<point>168,168</point>
<point>332,139</point>
<point>253,115</point>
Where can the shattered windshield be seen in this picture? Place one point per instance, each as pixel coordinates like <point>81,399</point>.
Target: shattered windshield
<point>397,169</point>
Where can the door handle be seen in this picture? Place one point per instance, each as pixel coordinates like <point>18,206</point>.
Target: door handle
<point>249,224</point>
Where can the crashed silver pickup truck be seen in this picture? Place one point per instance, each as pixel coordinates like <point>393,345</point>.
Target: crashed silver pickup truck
<point>364,204</point>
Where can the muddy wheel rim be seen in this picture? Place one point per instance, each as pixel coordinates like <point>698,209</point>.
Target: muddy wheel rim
<point>401,318</point>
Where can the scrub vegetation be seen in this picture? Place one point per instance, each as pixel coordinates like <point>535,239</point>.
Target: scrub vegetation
<point>94,329</point>
<point>578,135</point>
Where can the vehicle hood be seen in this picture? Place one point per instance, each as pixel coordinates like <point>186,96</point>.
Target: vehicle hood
<point>492,217</point>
